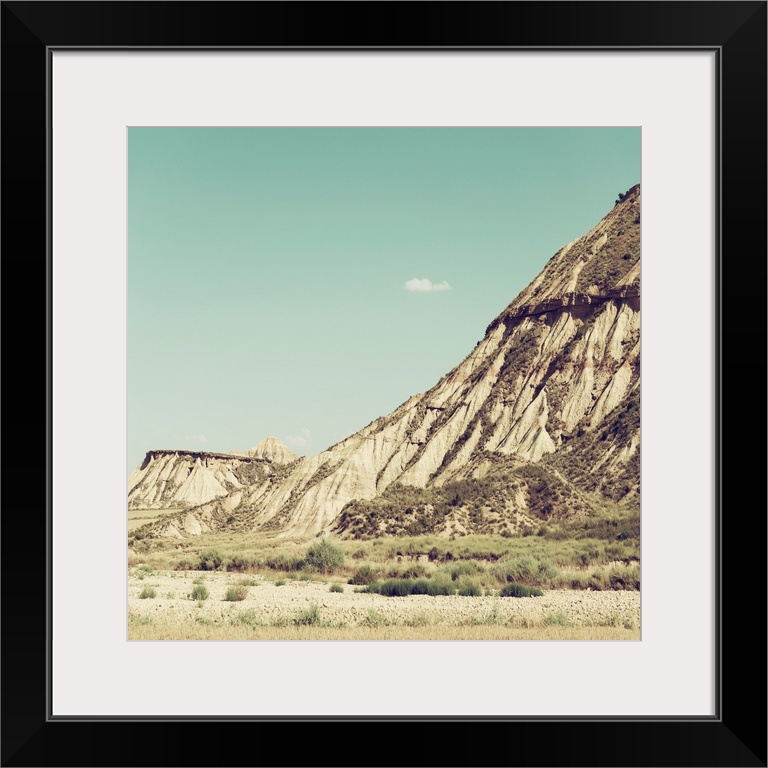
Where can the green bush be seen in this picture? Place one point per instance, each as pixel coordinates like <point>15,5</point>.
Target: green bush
<point>199,592</point>
<point>437,588</point>
<point>308,618</point>
<point>464,568</point>
<point>469,589</point>
<point>336,588</point>
<point>246,618</point>
<point>405,587</point>
<point>282,562</point>
<point>415,571</point>
<point>147,592</point>
<point>236,593</point>
<point>625,578</point>
<point>396,587</point>
<point>238,563</point>
<point>526,569</point>
<point>210,560</point>
<point>556,619</point>
<point>324,556</point>
<point>519,590</point>
<point>280,583</point>
<point>363,575</point>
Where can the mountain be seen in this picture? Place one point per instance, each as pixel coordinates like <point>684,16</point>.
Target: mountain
<point>540,423</point>
<point>270,449</point>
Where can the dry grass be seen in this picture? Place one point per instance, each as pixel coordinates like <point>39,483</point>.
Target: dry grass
<point>392,632</point>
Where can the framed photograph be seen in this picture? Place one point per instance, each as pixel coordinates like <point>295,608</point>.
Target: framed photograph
<point>100,89</point>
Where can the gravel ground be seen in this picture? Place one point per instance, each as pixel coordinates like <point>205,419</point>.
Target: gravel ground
<point>269,604</point>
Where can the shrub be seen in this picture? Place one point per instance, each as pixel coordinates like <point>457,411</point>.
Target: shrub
<point>280,582</point>
<point>377,619</point>
<point>464,568</point>
<point>210,560</point>
<point>519,590</point>
<point>556,619</point>
<point>415,571</point>
<point>625,578</point>
<point>282,562</point>
<point>324,556</point>
<point>405,587</point>
<point>397,587</point>
<point>437,588</point>
<point>147,592</point>
<point>239,563</point>
<point>469,589</point>
<point>246,618</point>
<point>185,565</point>
<point>336,588</point>
<point>525,568</point>
<point>236,593</point>
<point>308,618</point>
<point>199,592</point>
<point>363,575</point>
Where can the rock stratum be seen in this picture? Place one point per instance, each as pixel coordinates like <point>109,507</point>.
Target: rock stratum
<point>540,422</point>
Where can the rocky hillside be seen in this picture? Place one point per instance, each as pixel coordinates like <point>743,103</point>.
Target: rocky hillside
<point>174,479</point>
<point>539,423</point>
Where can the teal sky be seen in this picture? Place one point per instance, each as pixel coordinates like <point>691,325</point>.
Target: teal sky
<point>267,267</point>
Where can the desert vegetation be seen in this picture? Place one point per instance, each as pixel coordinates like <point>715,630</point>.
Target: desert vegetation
<point>572,579</point>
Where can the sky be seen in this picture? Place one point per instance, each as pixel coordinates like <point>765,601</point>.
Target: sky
<point>301,282</point>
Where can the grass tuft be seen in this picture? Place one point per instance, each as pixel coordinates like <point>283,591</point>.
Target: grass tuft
<point>199,592</point>
<point>308,618</point>
<point>556,619</point>
<point>236,592</point>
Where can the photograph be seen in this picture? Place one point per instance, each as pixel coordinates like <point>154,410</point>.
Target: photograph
<point>383,383</point>
<point>343,381</point>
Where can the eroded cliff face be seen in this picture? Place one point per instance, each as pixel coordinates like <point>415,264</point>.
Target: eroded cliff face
<point>554,383</point>
<point>170,479</point>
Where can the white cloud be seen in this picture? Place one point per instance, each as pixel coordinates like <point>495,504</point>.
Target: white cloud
<point>300,442</point>
<point>424,285</point>
<point>197,439</point>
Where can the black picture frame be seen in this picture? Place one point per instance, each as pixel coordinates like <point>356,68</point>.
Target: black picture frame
<point>736,735</point>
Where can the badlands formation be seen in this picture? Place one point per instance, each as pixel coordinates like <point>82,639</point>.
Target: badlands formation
<point>540,422</point>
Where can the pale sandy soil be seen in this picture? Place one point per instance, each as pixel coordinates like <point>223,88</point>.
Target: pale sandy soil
<point>269,605</point>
